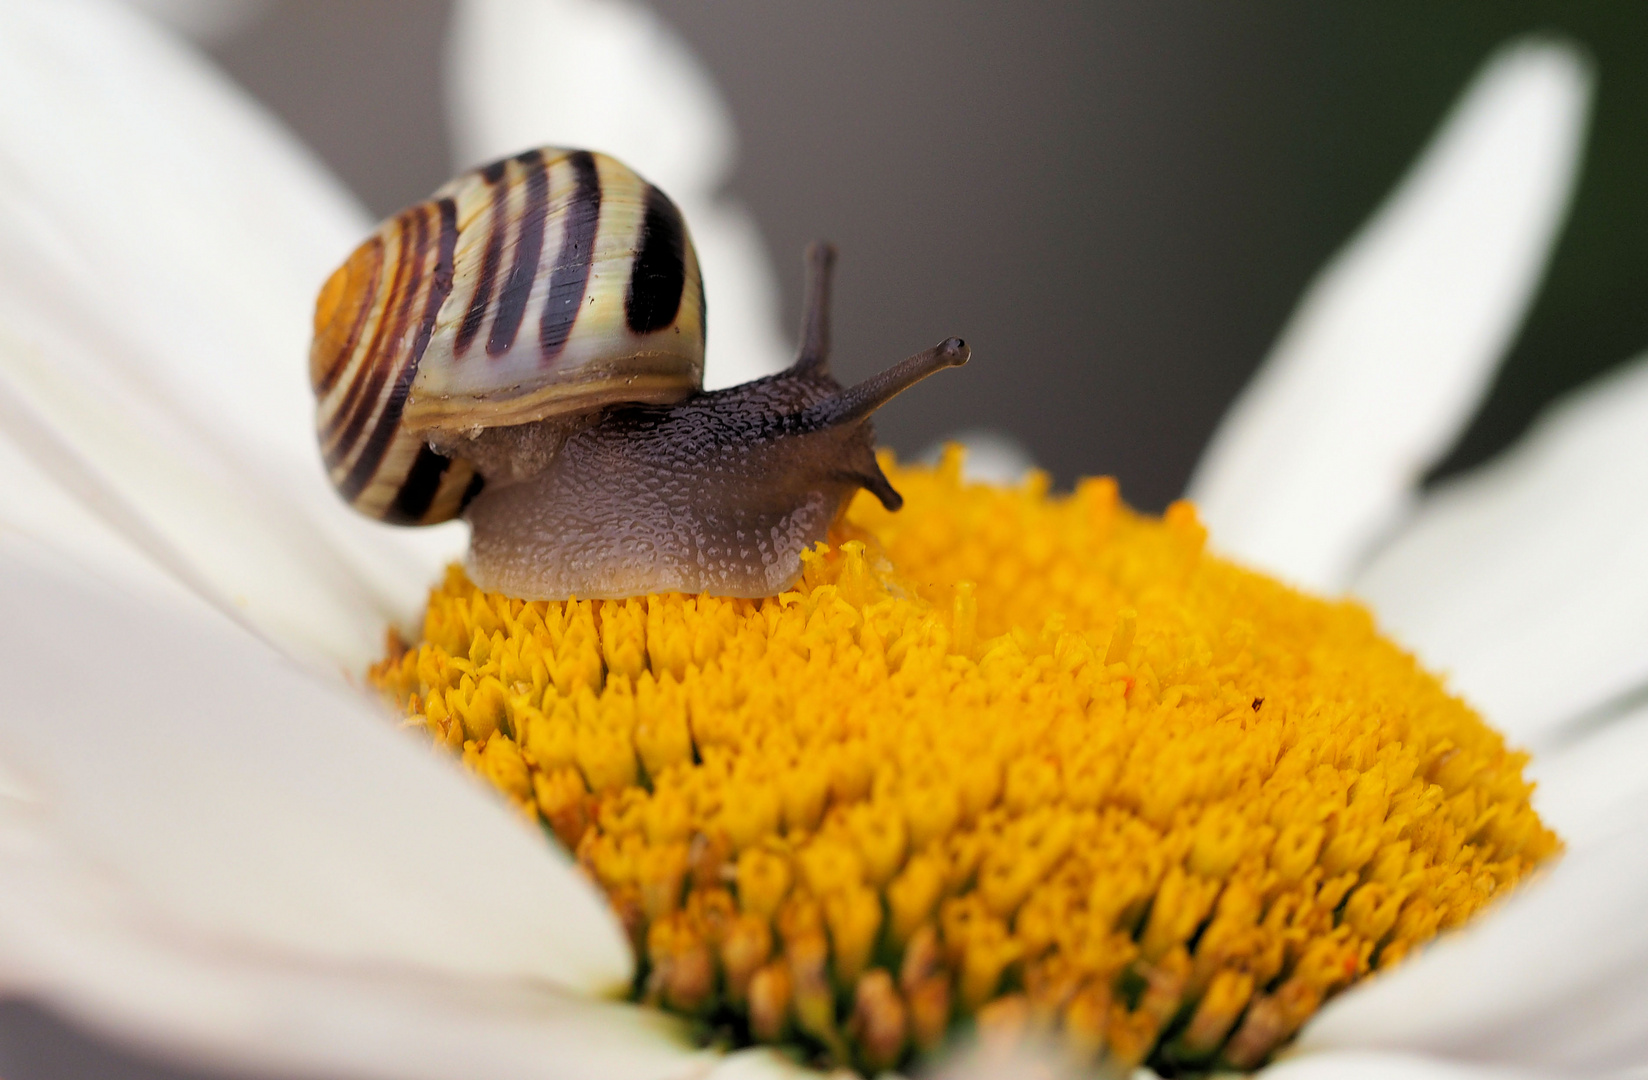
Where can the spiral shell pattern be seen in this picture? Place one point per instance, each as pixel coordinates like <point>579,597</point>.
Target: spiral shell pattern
<point>552,282</point>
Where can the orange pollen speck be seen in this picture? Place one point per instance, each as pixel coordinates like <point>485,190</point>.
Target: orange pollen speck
<point>1035,760</point>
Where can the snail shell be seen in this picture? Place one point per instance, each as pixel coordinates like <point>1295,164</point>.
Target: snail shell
<point>526,349</point>
<point>549,284</point>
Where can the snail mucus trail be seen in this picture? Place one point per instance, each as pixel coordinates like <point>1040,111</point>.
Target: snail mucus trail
<point>525,348</point>
<point>719,492</point>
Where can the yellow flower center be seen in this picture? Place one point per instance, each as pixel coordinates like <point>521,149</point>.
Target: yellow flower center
<point>1032,762</point>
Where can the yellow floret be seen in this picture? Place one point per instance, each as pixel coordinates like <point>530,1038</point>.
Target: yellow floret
<point>1035,762</point>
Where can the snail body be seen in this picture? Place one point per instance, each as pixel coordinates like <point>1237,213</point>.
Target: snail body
<point>719,493</point>
<point>582,449</point>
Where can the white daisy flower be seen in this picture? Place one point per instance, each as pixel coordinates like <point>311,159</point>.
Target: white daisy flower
<point>212,846</point>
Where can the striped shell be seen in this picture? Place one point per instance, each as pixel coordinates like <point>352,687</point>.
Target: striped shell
<point>553,282</point>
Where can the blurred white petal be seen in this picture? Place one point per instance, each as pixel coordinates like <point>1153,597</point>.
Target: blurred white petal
<point>741,295</point>
<point>1033,1058</point>
<point>1370,1065</point>
<point>141,186</point>
<point>41,523</point>
<point>205,1003</point>
<point>1554,978</point>
<point>760,1063</point>
<point>178,504</point>
<point>610,75</point>
<point>602,74</point>
<point>1586,787</point>
<point>161,242</point>
<point>196,802</point>
<point>993,457</point>
<point>1391,348</point>
<point>206,21</point>
<point>1527,580</point>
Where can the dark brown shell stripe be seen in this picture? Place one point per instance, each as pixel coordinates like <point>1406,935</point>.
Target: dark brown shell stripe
<point>381,469</point>
<point>660,274</point>
<point>501,258</point>
<point>570,278</point>
<point>476,314</point>
<point>522,193</point>
<point>529,251</point>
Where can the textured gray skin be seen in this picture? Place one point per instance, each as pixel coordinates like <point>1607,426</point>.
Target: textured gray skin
<point>720,493</point>
<point>708,496</point>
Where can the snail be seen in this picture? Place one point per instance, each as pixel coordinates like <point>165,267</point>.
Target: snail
<point>526,349</point>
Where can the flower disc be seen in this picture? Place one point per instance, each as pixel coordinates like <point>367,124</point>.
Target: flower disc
<point>1035,762</point>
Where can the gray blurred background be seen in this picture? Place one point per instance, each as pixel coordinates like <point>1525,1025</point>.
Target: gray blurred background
<point>1115,203</point>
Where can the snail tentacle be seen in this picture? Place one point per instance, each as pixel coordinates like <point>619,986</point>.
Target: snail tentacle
<point>814,353</point>
<point>857,402</point>
<point>877,484</point>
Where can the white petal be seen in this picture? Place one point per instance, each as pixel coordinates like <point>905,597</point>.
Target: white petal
<point>186,781</point>
<point>1556,977</point>
<point>1586,788</point>
<point>611,76</point>
<point>196,519</point>
<point>760,1063</point>
<point>992,457</point>
<point>1367,1065</point>
<point>142,186</point>
<point>203,20</point>
<point>741,294</point>
<point>606,75</point>
<point>42,524</point>
<point>161,240</point>
<point>1395,342</point>
<point>1528,579</point>
<point>197,1002</point>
